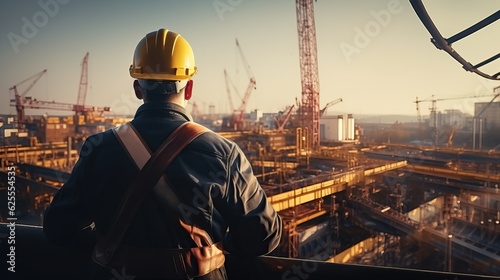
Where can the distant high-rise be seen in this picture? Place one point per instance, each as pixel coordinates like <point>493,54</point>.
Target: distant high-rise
<point>490,116</point>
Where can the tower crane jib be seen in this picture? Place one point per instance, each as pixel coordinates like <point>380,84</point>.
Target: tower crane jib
<point>19,100</point>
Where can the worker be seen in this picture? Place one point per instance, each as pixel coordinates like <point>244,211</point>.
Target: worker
<point>206,204</point>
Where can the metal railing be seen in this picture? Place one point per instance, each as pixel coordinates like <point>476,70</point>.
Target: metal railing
<point>36,258</point>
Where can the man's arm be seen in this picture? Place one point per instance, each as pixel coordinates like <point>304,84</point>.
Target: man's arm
<point>67,221</point>
<point>254,226</point>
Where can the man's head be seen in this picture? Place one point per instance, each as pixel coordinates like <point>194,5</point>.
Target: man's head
<point>163,66</point>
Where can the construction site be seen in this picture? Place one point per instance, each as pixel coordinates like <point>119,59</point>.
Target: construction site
<point>421,195</point>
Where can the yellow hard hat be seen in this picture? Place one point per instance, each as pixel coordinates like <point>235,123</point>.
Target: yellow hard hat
<point>163,55</point>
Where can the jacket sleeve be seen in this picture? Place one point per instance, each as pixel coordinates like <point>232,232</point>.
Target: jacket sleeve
<point>254,226</point>
<point>67,221</point>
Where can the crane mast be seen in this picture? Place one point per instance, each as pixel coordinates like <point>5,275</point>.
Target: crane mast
<point>309,110</point>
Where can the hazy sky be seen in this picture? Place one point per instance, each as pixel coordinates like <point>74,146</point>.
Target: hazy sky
<point>374,54</point>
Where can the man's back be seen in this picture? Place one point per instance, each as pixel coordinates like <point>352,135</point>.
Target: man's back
<point>211,178</point>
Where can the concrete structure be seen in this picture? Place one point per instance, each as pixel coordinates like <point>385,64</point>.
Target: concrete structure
<point>256,115</point>
<point>337,128</point>
<point>490,117</point>
<point>349,128</point>
<point>332,128</point>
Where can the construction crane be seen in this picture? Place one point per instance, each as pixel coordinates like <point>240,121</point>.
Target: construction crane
<point>434,101</point>
<point>328,105</point>
<point>433,110</point>
<point>280,123</point>
<point>80,108</point>
<point>308,59</point>
<point>238,114</point>
<point>22,102</point>
<point>252,83</point>
<point>82,90</point>
<point>419,115</point>
<point>19,98</point>
<point>450,137</point>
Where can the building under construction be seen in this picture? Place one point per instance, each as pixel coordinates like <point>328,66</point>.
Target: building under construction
<point>350,199</point>
<point>343,200</point>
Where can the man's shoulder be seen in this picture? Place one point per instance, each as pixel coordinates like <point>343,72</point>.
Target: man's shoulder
<point>101,136</point>
<point>212,135</point>
<point>214,142</point>
<point>99,140</point>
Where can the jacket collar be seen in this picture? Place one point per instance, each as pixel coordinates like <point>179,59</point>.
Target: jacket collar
<point>163,109</point>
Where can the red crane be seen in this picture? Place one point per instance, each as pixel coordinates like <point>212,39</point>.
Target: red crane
<point>328,105</point>
<point>18,100</point>
<point>309,109</point>
<point>79,108</point>
<point>281,122</point>
<point>21,102</point>
<point>250,87</point>
<point>238,115</point>
<point>82,90</point>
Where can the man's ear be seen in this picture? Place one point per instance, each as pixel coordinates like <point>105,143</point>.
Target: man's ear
<point>138,90</point>
<point>188,90</point>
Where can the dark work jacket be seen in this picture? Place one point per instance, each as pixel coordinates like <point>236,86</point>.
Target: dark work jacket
<point>211,176</point>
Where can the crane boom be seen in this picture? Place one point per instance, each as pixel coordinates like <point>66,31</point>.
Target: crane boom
<point>33,103</point>
<point>244,101</point>
<point>433,100</point>
<point>19,98</point>
<point>82,90</point>
<point>281,124</point>
<point>251,84</point>
<point>330,104</point>
<point>434,110</point>
<point>37,77</point>
<point>238,114</point>
<point>21,102</point>
<point>228,90</point>
<point>245,63</point>
<point>449,143</point>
